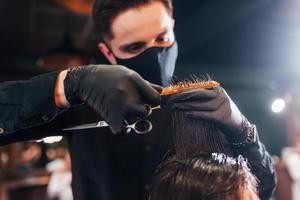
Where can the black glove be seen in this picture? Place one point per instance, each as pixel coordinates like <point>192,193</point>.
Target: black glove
<point>213,105</point>
<point>114,91</point>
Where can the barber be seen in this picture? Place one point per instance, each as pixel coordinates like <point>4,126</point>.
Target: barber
<point>120,166</point>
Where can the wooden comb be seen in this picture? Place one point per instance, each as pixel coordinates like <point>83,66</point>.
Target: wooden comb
<point>186,86</point>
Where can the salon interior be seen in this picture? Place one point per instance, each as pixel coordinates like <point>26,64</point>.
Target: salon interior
<point>250,47</point>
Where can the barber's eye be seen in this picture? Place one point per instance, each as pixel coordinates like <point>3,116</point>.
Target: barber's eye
<point>164,38</point>
<point>134,48</point>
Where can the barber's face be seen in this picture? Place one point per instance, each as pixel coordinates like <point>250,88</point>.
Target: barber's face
<point>138,29</point>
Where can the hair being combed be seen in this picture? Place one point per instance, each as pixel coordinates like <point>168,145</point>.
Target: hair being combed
<point>196,136</point>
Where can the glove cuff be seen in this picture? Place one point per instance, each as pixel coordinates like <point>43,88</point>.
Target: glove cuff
<point>71,85</point>
<point>248,134</point>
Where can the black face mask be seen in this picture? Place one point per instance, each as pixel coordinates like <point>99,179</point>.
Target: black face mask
<point>156,64</point>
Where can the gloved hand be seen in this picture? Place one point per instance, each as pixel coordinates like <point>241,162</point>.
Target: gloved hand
<point>114,91</point>
<point>213,105</point>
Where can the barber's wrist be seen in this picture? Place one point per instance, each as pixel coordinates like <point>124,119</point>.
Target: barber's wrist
<point>247,136</point>
<point>71,84</point>
<point>60,97</point>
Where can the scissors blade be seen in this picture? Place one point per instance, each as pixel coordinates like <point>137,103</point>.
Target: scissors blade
<point>87,126</point>
<point>100,123</point>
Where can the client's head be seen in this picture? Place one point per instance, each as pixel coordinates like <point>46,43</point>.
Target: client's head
<point>201,167</point>
<point>206,176</point>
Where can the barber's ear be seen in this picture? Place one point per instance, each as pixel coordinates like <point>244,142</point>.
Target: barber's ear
<point>107,53</point>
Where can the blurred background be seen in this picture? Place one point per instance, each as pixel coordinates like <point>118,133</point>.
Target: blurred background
<point>250,46</point>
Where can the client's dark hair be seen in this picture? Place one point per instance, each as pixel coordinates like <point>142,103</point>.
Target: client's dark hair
<point>196,136</point>
<point>207,176</point>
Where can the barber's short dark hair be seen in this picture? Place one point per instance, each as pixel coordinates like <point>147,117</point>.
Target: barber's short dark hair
<point>206,176</point>
<point>105,11</point>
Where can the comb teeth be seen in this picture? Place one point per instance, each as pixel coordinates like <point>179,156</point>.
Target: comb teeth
<point>190,84</point>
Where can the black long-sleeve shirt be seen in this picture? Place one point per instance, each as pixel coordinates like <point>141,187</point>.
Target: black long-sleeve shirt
<point>104,165</point>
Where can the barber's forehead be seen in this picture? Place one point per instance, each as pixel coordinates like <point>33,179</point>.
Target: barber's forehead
<point>142,23</point>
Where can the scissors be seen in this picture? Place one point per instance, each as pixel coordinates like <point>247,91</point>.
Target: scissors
<point>140,126</point>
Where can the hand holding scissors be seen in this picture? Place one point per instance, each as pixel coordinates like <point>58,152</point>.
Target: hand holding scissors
<point>140,126</point>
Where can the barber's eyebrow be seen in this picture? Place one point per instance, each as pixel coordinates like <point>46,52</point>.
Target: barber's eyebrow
<point>162,33</point>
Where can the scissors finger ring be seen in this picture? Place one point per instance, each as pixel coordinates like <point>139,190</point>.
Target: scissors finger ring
<point>150,109</point>
<point>140,126</point>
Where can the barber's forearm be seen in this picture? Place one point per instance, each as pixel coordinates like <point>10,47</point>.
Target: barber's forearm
<point>30,103</point>
<point>60,97</point>
<point>262,167</point>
